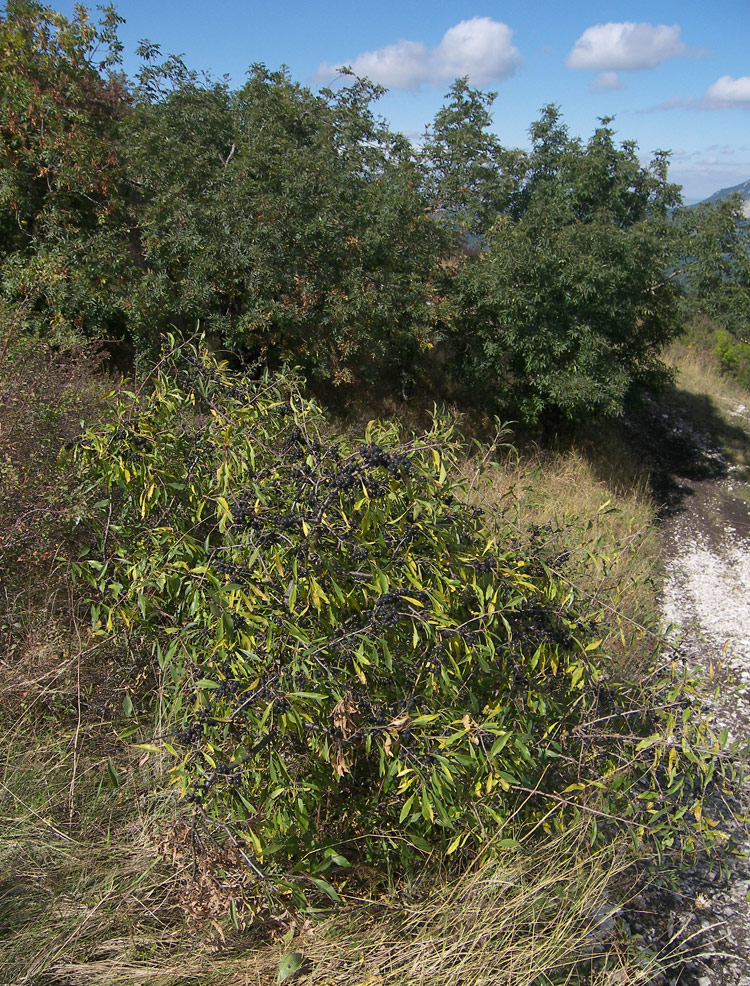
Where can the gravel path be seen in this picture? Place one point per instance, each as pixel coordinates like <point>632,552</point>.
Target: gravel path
<point>706,532</point>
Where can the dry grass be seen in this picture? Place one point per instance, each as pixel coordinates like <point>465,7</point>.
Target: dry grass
<point>712,399</point>
<point>89,898</point>
<point>587,505</point>
<point>530,917</point>
<point>77,860</point>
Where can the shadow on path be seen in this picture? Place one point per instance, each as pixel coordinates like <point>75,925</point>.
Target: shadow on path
<point>680,438</point>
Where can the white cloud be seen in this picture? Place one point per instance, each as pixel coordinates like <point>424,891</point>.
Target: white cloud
<point>728,92</point>
<point>725,93</point>
<point>481,48</point>
<point>617,47</point>
<point>676,103</point>
<point>400,65</point>
<point>606,81</point>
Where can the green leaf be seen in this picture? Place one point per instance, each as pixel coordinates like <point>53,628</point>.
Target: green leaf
<point>648,742</point>
<point>326,888</point>
<point>338,860</point>
<point>407,807</point>
<point>114,777</point>
<point>289,966</point>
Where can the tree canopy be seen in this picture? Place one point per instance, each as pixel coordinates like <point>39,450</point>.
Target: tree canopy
<point>569,301</point>
<point>297,228</point>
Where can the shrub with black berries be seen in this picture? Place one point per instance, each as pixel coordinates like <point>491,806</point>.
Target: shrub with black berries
<point>355,664</point>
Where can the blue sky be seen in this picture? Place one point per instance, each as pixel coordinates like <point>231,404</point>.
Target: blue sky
<point>675,76</point>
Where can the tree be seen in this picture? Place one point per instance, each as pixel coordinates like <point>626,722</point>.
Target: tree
<point>470,176</point>
<point>295,229</point>
<point>61,188</point>
<point>570,303</point>
<point>715,268</point>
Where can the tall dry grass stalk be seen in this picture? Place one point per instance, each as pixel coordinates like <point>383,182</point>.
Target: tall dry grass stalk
<point>535,917</point>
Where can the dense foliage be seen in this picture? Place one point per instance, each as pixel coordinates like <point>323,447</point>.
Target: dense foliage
<point>61,182</point>
<point>470,176</point>
<point>716,267</point>
<point>352,663</point>
<point>291,225</point>
<point>569,303</point>
<point>297,228</point>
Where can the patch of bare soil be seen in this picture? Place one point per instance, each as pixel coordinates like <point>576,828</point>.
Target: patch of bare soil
<point>706,597</point>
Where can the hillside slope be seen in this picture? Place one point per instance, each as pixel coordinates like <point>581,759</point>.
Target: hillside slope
<point>742,189</point>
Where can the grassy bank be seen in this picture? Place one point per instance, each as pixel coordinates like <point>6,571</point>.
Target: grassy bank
<point>710,396</point>
<point>100,882</point>
<point>99,887</point>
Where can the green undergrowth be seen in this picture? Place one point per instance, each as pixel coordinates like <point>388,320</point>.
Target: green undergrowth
<point>111,876</point>
<point>102,885</point>
<point>356,668</point>
<point>728,353</point>
<point>113,897</point>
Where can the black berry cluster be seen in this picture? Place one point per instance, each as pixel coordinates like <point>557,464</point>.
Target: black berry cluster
<point>395,463</point>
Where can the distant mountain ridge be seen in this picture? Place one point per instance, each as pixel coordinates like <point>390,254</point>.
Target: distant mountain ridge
<point>724,193</point>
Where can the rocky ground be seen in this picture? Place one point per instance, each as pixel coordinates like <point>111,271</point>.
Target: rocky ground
<point>706,594</point>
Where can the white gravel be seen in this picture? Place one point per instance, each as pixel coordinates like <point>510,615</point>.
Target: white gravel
<point>707,592</point>
<point>706,599</point>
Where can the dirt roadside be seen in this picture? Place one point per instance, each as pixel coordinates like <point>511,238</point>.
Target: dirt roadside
<point>706,592</point>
